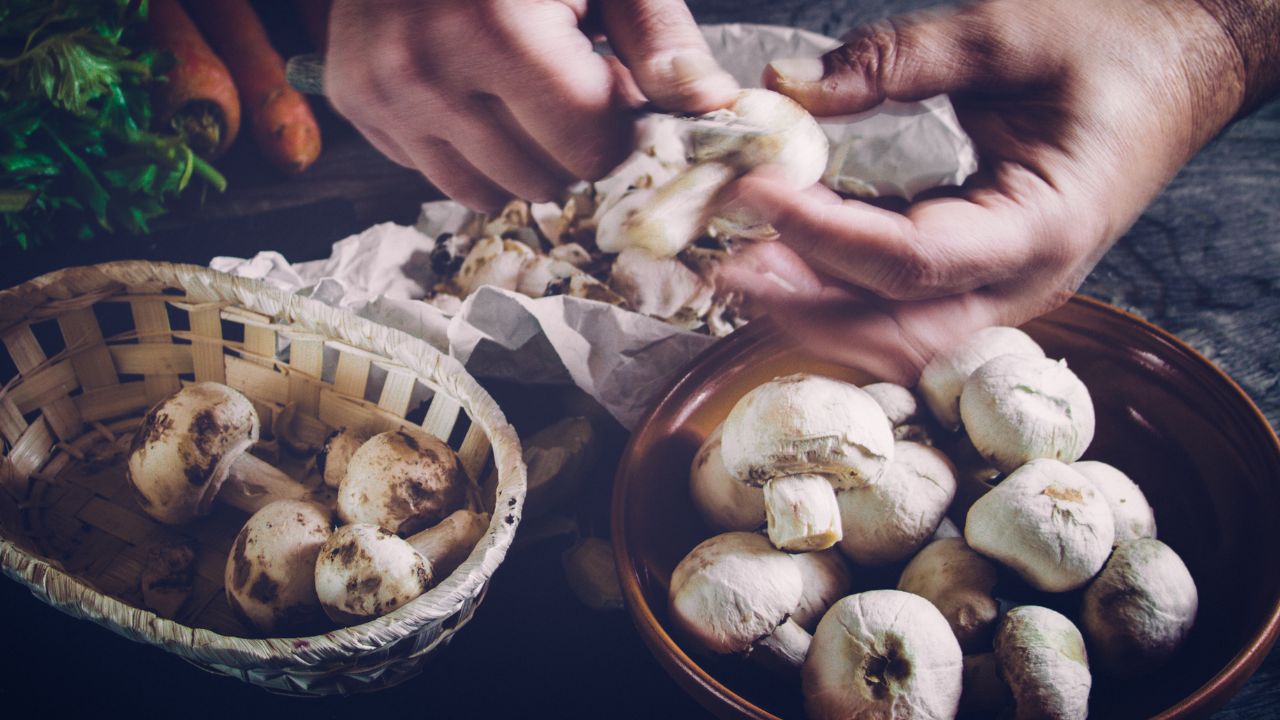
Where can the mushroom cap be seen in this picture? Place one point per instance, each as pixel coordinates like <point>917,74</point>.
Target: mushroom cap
<point>882,653</point>
<point>1047,522</point>
<point>1018,408</point>
<point>961,584</point>
<point>402,480</point>
<point>826,578</point>
<point>1042,658</point>
<point>724,503</point>
<point>899,403</point>
<point>943,377</point>
<point>887,521</point>
<point>364,572</point>
<point>1140,608</point>
<point>733,590</point>
<point>336,453</point>
<point>807,424</point>
<point>1134,517</point>
<point>181,453</point>
<point>270,571</point>
<point>793,140</point>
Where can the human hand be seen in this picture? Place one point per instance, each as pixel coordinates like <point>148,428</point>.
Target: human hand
<point>1081,112</point>
<point>497,98</point>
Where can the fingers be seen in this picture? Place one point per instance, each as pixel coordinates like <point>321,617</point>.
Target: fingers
<point>939,247</point>
<point>910,57</point>
<point>450,172</point>
<point>660,43</point>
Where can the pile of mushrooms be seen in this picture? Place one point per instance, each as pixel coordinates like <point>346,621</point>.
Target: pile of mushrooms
<point>408,512</point>
<point>804,463</point>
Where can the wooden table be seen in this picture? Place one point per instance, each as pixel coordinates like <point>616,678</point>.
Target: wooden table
<point>1203,262</point>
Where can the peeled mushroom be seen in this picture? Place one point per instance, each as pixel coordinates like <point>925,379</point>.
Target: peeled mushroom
<point>1133,515</point>
<point>944,376</point>
<point>806,425</point>
<point>882,653</point>
<point>961,584</point>
<point>723,502</point>
<point>269,577</point>
<point>735,593</point>
<point>1017,408</point>
<point>403,481</point>
<point>1140,608</point>
<point>364,572</point>
<point>665,219</point>
<point>889,520</point>
<point>1046,522</point>
<point>336,453</point>
<point>659,286</point>
<point>826,579</point>
<point>1042,658</point>
<point>193,447</point>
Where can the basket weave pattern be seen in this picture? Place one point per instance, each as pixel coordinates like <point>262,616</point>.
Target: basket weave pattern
<point>91,349</point>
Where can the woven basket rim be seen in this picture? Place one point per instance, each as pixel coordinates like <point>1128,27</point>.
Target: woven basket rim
<point>68,593</point>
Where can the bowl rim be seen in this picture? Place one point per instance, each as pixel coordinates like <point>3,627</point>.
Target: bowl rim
<point>706,689</point>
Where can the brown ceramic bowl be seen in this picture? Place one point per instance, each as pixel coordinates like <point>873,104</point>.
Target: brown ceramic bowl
<point>1201,451</point>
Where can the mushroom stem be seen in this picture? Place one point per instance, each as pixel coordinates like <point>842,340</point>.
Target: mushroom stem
<point>252,484</point>
<point>447,543</point>
<point>788,645</point>
<point>802,512</point>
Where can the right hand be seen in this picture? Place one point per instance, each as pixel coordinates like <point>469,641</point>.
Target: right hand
<point>491,99</point>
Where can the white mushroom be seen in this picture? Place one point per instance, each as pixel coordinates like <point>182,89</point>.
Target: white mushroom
<point>1017,408</point>
<point>1133,514</point>
<point>801,512</point>
<point>1042,658</point>
<point>364,572</point>
<point>882,654</point>
<point>943,377</point>
<point>961,584</point>
<point>1140,609</point>
<point>193,447</point>
<point>1046,522</point>
<point>493,261</point>
<point>900,406</point>
<point>403,481</point>
<point>269,577</point>
<point>666,219</point>
<point>723,502</point>
<point>889,520</point>
<point>806,424</point>
<point>659,286</point>
<point>734,593</point>
<point>826,578</point>
<point>336,452</point>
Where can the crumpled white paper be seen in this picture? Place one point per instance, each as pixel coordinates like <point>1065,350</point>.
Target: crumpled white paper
<point>621,358</point>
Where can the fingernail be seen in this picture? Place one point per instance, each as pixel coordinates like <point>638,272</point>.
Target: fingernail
<point>798,69</point>
<point>696,69</point>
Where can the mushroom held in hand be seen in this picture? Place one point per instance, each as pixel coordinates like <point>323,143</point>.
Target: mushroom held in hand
<point>734,593</point>
<point>364,571</point>
<point>1042,657</point>
<point>403,481</point>
<point>777,131</point>
<point>883,653</point>
<point>961,584</point>
<point>1047,522</point>
<point>269,578</point>
<point>193,447</point>
<point>1140,608</point>
<point>889,520</point>
<point>806,424</point>
<point>1133,515</point>
<point>1017,409</point>
<point>723,502</point>
<point>944,376</point>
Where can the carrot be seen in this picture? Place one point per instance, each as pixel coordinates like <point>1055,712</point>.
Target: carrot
<point>279,117</point>
<point>315,18</point>
<point>197,99</point>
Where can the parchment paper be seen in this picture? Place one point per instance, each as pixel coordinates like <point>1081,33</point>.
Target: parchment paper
<point>621,358</point>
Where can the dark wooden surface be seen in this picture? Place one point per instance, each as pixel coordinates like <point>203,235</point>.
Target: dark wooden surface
<point>1203,262</point>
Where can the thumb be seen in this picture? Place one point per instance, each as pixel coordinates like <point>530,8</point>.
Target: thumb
<point>661,45</point>
<point>910,57</point>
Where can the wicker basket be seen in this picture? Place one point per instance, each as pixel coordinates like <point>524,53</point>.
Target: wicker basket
<point>90,349</point>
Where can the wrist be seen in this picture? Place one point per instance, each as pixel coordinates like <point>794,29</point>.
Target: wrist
<point>1252,26</point>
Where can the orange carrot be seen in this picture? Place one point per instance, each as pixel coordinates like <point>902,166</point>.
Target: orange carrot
<point>315,18</point>
<point>279,117</point>
<point>197,98</point>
